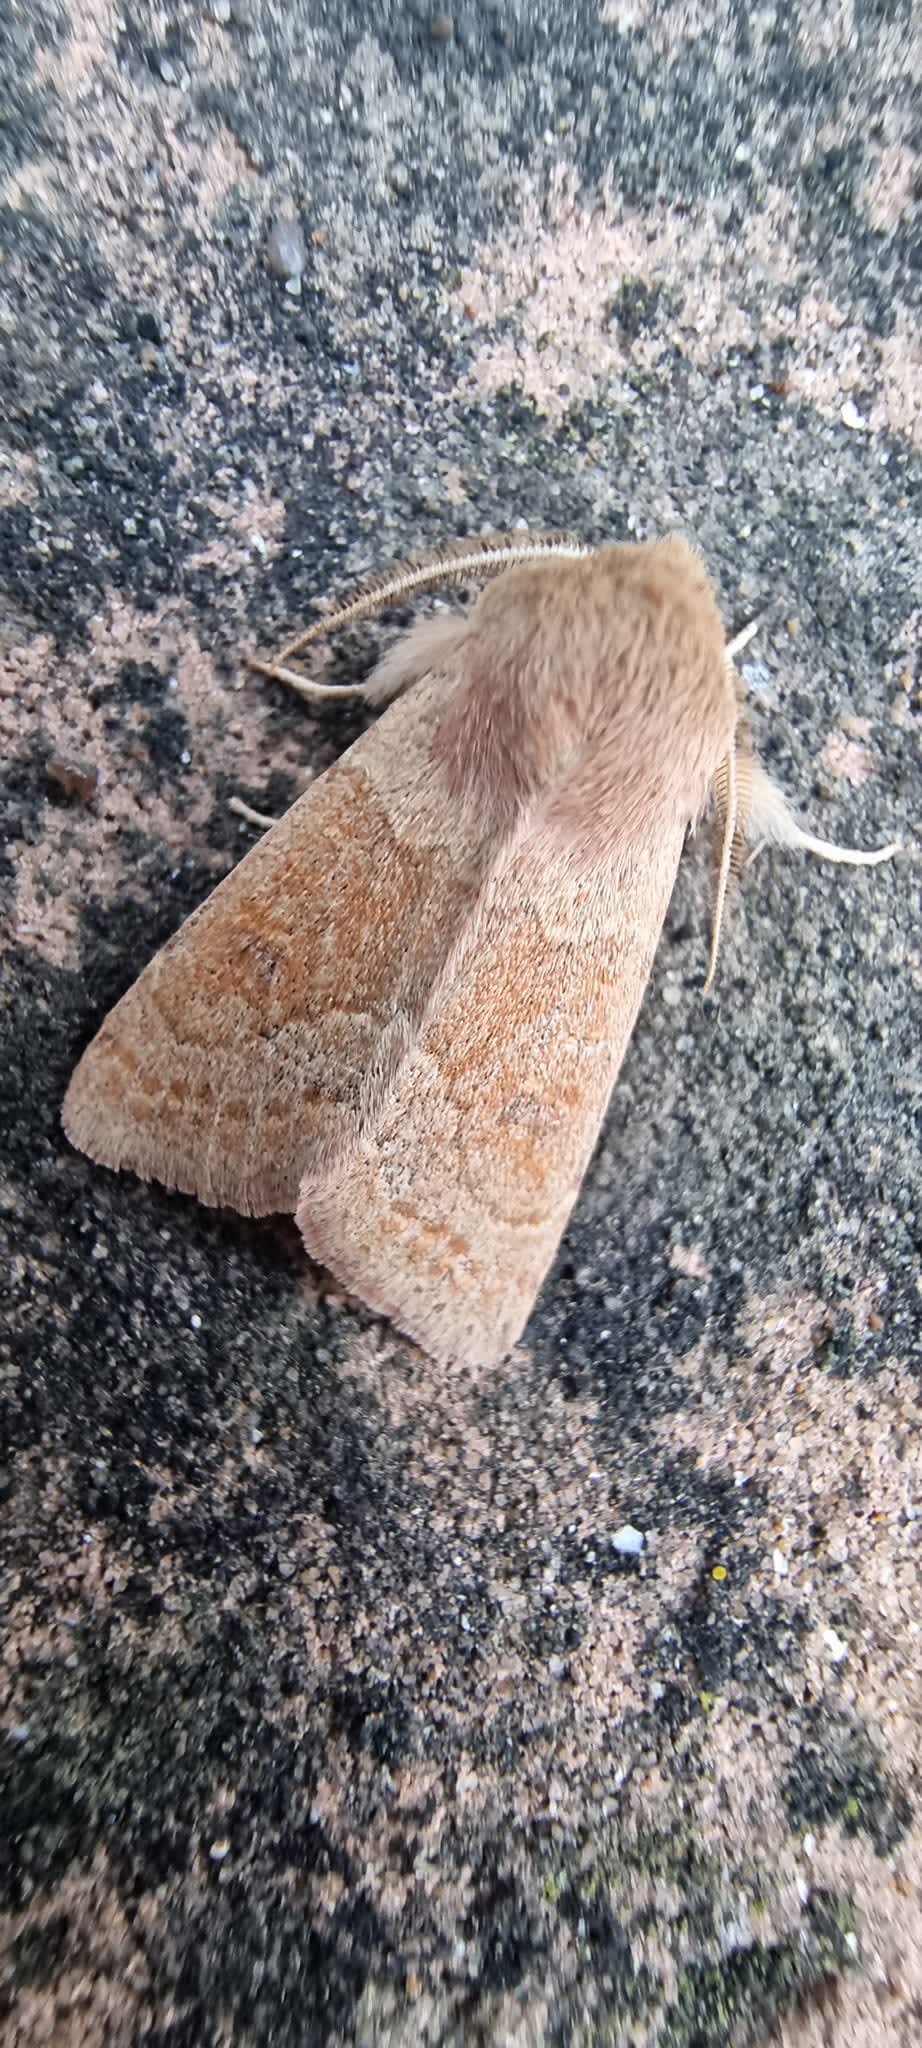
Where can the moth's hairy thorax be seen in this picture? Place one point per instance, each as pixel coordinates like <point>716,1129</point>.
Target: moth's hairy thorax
<point>595,692</point>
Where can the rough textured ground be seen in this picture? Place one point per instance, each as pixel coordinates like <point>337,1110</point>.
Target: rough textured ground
<point>332,1713</point>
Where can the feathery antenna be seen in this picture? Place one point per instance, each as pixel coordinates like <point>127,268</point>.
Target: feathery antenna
<point>461,561</point>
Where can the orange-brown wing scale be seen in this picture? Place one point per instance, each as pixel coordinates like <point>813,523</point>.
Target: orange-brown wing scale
<point>258,1039</point>
<point>448,1212</point>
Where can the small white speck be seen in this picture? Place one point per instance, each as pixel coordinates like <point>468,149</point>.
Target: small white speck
<point>756,676</point>
<point>835,1645</point>
<point>757,391</point>
<point>851,1942</point>
<point>809,1845</point>
<point>257,543</point>
<point>803,1891</point>
<point>185,757</point>
<point>629,1542</point>
<point>195,1322</point>
<point>779,1564</point>
<point>219,1850</point>
<point>851,417</point>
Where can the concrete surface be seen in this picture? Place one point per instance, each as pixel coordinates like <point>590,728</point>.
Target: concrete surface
<point>333,1714</point>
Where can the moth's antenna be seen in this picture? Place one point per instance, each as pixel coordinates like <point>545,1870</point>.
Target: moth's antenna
<point>733,793</point>
<point>726,787</point>
<point>462,561</point>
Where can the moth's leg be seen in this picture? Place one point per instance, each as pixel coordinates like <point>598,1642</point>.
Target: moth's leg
<point>244,810</point>
<point>425,646</point>
<point>773,823</point>
<point>742,638</point>
<point>429,644</point>
<point>304,686</point>
<point>766,819</point>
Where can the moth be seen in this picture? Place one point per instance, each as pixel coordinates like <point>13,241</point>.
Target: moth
<point>401,1016</point>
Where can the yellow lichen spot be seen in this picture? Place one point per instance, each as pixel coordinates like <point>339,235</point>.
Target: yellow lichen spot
<point>719,1572</point>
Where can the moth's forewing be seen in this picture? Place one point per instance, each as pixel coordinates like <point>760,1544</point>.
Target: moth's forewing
<point>447,1213</point>
<point>257,1039</point>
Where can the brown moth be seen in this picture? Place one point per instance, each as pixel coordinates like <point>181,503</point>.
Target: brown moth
<point>402,1014</point>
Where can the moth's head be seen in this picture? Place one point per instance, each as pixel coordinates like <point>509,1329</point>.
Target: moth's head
<point>607,671</point>
<point>657,648</point>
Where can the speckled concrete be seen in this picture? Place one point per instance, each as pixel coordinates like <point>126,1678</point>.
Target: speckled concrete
<point>333,1714</point>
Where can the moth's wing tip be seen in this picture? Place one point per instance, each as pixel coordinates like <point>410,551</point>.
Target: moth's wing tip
<point>80,1119</point>
<point>116,1138</point>
<point>434,1335</point>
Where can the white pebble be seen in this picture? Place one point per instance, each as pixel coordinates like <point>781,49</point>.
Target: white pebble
<point>628,1541</point>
